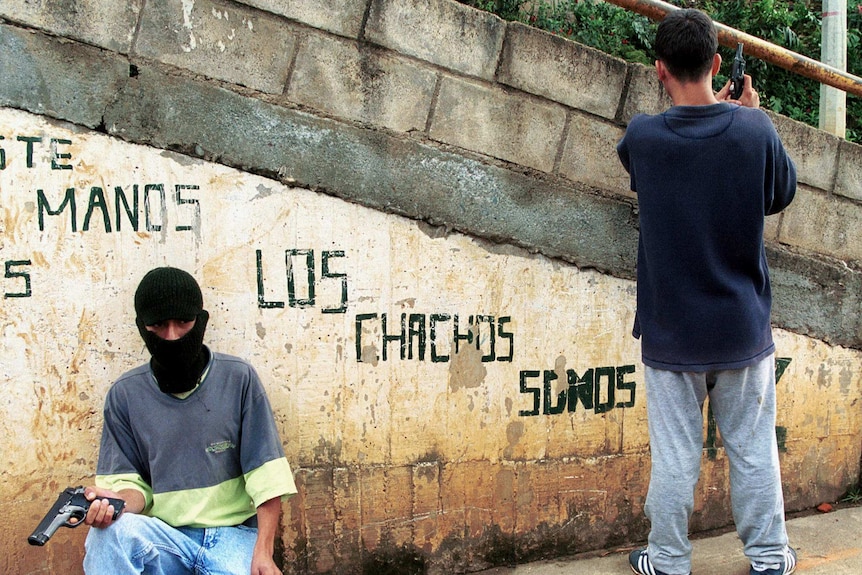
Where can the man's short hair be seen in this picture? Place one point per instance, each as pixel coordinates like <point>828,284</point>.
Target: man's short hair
<point>686,42</point>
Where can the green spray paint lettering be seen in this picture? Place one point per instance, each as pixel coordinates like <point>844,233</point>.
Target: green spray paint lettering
<point>598,389</point>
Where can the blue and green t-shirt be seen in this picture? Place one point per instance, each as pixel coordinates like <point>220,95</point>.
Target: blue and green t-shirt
<point>207,460</point>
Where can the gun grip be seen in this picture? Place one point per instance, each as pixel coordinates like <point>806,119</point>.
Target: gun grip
<point>38,539</point>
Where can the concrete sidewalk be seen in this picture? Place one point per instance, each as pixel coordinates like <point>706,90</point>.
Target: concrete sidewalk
<point>826,544</point>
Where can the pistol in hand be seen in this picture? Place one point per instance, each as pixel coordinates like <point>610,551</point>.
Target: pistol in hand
<point>72,504</point>
<point>737,74</point>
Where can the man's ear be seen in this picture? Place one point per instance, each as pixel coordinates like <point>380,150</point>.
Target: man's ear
<point>661,70</point>
<point>716,64</point>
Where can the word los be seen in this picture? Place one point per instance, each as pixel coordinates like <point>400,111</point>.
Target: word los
<point>415,333</point>
<point>152,203</point>
<point>595,390</point>
<point>310,280</point>
<point>29,144</point>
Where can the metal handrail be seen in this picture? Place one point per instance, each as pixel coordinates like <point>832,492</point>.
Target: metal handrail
<point>781,57</point>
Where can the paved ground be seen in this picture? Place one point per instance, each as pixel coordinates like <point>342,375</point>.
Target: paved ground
<point>826,544</point>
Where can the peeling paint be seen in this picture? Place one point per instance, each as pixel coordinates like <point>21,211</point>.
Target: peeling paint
<point>188,8</point>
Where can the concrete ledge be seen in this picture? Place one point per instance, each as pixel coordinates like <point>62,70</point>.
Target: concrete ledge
<point>58,78</point>
<point>816,298</point>
<point>396,175</point>
<point>645,94</point>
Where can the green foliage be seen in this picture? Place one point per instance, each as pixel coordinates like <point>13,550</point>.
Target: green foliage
<point>603,26</point>
<point>794,25</point>
<point>853,495</point>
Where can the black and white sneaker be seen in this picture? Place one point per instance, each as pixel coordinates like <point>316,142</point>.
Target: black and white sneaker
<point>787,566</point>
<point>641,565</point>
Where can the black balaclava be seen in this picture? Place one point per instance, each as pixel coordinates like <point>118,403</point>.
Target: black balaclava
<point>170,293</point>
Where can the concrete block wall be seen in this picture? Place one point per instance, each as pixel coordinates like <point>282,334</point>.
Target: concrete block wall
<point>433,111</point>
<point>434,75</point>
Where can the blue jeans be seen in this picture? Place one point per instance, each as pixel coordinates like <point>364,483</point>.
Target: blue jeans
<point>743,402</point>
<point>136,544</point>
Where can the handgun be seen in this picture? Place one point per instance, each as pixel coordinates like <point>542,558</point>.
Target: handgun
<point>71,504</point>
<point>737,74</point>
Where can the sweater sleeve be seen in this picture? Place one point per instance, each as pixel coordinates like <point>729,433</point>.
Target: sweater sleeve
<point>780,181</point>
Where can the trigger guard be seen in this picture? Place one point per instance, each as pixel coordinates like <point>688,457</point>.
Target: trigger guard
<point>79,515</point>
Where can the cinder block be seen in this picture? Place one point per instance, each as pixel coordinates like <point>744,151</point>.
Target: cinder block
<point>830,464</point>
<point>376,170</point>
<point>347,510</point>
<point>372,500</point>
<point>645,94</point>
<point>537,495</point>
<point>374,506</point>
<point>109,25</point>
<point>399,505</point>
<point>58,78</point>
<point>771,226</point>
<point>504,503</point>
<point>294,522</point>
<point>590,155</point>
<point>468,497</point>
<point>427,509</point>
<point>220,40</point>
<point>443,32</point>
<point>426,488</point>
<point>848,181</point>
<point>320,514</point>
<point>343,17</point>
<point>511,127</point>
<point>361,82</point>
<point>815,152</point>
<point>563,71</point>
<point>823,223</point>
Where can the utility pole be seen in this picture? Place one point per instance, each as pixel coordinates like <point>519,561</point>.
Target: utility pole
<point>833,51</point>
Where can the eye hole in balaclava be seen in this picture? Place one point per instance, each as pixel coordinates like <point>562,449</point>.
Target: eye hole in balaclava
<point>170,293</point>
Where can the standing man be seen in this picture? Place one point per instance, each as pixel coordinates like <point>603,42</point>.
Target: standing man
<point>706,172</point>
<point>190,444</point>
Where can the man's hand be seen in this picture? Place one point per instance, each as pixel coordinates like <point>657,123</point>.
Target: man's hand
<point>749,97</point>
<point>263,564</point>
<point>101,512</point>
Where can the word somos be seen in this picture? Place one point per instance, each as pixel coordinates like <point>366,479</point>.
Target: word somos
<point>598,389</point>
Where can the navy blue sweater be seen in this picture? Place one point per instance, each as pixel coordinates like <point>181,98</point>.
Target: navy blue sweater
<point>705,177</point>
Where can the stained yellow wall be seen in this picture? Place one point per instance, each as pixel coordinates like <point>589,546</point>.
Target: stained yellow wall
<point>398,441</point>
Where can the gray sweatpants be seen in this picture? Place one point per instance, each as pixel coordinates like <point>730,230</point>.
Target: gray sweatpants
<point>743,402</point>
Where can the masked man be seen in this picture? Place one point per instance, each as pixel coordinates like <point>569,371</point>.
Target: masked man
<point>190,444</point>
